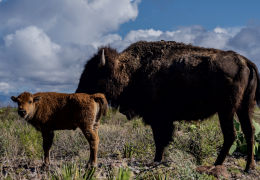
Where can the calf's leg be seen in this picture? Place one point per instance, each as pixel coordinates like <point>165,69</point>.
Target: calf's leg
<point>47,137</point>
<point>93,140</point>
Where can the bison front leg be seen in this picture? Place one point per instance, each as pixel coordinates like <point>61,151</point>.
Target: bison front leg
<point>47,137</point>
<point>162,133</point>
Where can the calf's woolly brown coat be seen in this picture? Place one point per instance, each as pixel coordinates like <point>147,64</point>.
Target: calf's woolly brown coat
<point>51,111</point>
<point>168,81</point>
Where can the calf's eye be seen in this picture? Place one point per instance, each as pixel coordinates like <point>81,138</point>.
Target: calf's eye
<point>30,102</point>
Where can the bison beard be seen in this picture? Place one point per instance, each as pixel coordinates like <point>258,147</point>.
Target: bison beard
<point>165,82</point>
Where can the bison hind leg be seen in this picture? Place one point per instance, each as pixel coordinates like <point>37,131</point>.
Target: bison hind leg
<point>249,131</point>
<point>244,114</point>
<point>229,133</point>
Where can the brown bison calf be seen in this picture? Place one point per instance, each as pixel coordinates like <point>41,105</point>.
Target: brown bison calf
<point>59,111</point>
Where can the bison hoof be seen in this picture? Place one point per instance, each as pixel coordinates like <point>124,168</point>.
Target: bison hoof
<point>155,163</point>
<point>216,171</point>
<point>157,160</point>
<point>248,171</point>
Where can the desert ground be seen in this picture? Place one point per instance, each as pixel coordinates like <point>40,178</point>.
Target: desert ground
<point>126,151</point>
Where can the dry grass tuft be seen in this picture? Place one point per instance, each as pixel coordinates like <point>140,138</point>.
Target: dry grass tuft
<point>241,162</point>
<point>123,143</point>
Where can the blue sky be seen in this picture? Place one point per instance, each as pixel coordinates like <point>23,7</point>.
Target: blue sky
<point>167,15</point>
<point>45,44</point>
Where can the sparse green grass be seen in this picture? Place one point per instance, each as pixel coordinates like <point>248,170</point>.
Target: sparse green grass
<point>257,168</point>
<point>119,139</point>
<point>19,139</point>
<point>201,140</point>
<point>256,115</point>
<point>233,170</point>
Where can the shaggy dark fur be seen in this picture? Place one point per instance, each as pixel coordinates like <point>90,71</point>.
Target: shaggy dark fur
<point>168,81</point>
<point>48,112</point>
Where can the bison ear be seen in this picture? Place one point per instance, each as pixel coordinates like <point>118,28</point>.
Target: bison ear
<point>36,99</point>
<point>14,98</point>
<point>102,60</point>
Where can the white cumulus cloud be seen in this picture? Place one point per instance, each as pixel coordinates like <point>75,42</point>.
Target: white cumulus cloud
<point>77,21</point>
<point>220,30</point>
<point>243,40</point>
<point>4,87</point>
<point>197,35</point>
<point>148,35</point>
<point>31,47</point>
<point>45,44</point>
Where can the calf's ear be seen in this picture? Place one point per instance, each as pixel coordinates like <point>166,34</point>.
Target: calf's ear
<point>36,99</point>
<point>14,98</point>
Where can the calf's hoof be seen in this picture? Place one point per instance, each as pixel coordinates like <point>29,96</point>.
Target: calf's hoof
<point>90,165</point>
<point>45,166</point>
<point>216,171</point>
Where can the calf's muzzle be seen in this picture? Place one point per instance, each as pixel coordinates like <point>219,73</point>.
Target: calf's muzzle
<point>22,112</point>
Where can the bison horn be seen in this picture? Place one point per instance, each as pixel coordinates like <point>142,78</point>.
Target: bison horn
<point>102,60</point>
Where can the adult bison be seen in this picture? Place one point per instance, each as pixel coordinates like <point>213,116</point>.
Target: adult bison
<point>169,81</point>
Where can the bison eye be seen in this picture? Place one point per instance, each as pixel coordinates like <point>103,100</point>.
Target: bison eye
<point>30,102</point>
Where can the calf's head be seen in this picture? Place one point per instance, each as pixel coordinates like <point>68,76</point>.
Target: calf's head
<point>26,103</point>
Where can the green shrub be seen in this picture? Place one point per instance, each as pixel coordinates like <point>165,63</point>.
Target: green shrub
<point>143,144</point>
<point>31,140</point>
<point>201,140</point>
<point>25,137</point>
<point>113,117</point>
<point>128,150</point>
<point>240,144</point>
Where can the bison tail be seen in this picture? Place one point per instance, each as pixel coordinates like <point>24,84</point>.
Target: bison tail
<point>257,93</point>
<point>102,98</point>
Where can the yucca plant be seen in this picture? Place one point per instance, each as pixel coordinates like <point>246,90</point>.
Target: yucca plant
<point>161,177</point>
<point>72,172</point>
<point>89,174</point>
<point>124,174</point>
<point>240,145</point>
<point>128,150</point>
